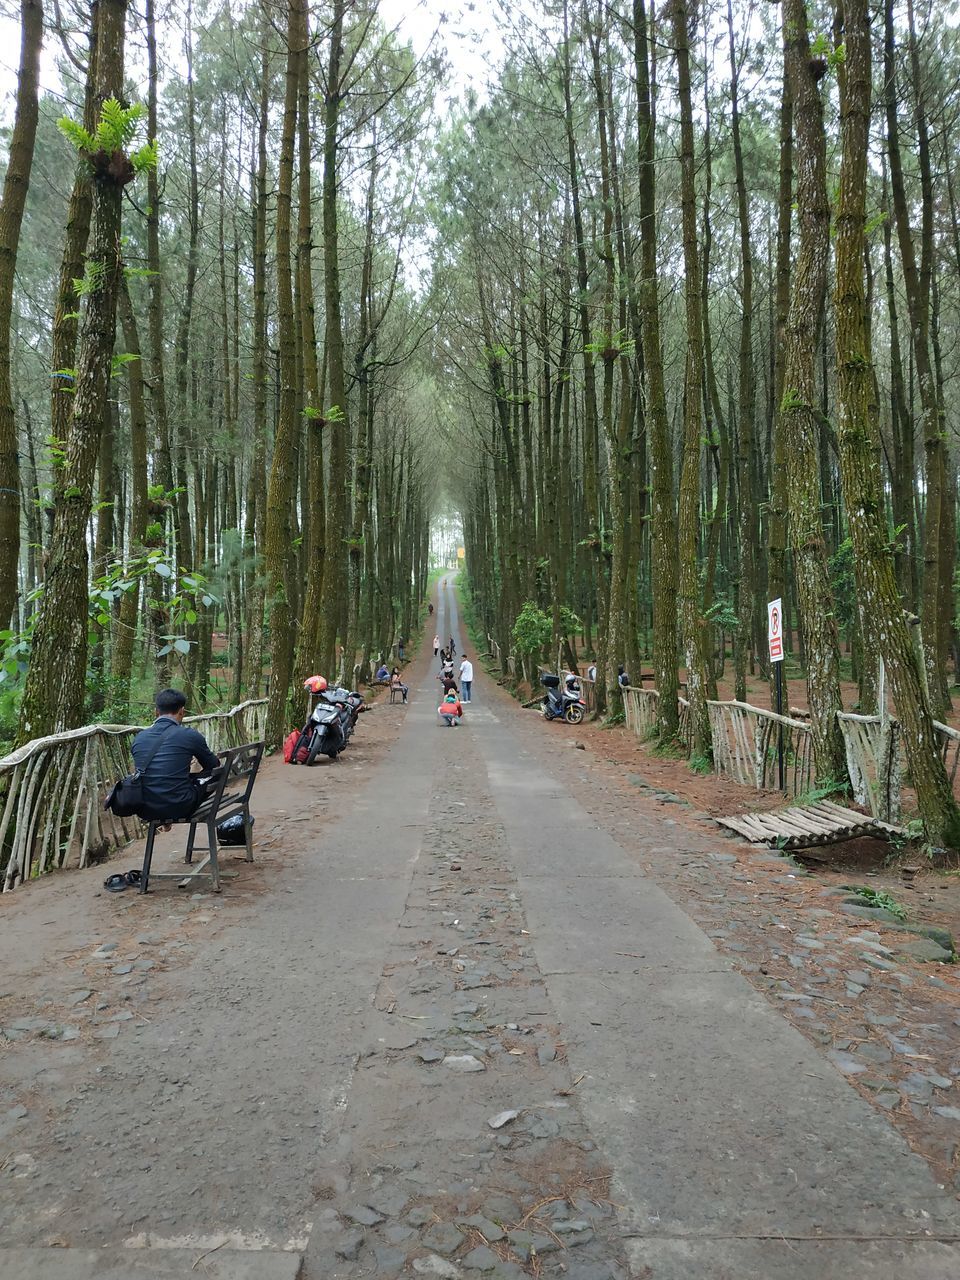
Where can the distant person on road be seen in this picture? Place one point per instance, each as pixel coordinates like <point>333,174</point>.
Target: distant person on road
<point>451,648</point>
<point>450,709</point>
<point>401,645</point>
<point>430,610</point>
<point>447,668</point>
<point>436,645</point>
<point>466,677</point>
<point>170,790</point>
<point>448,684</point>
<point>397,683</point>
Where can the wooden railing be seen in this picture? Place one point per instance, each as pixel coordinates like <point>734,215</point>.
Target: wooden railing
<point>52,791</point>
<point>873,750</point>
<point>746,746</point>
<point>949,742</point>
<point>640,710</point>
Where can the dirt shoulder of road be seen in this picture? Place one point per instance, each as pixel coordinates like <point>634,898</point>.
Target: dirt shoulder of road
<point>889,1021</point>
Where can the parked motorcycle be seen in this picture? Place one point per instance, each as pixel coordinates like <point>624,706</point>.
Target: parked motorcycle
<point>322,734</point>
<point>562,703</point>
<point>349,704</point>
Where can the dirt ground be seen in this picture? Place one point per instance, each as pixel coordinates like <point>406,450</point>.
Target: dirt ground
<point>887,1021</point>
<point>755,904</point>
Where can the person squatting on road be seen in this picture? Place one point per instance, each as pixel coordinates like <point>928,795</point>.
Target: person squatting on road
<point>450,709</point>
<point>466,677</point>
<point>170,790</point>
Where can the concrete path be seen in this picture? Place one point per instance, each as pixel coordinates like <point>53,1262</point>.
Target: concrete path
<point>464,1036</point>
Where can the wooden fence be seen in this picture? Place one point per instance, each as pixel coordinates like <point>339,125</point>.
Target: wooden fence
<point>52,791</point>
<point>745,748</point>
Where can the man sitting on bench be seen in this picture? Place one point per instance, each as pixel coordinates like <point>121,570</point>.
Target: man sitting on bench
<point>170,790</point>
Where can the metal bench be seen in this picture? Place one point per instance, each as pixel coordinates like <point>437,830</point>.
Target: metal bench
<point>228,794</point>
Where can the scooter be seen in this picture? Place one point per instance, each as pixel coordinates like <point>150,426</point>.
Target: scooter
<point>322,734</point>
<point>562,704</point>
<point>349,703</point>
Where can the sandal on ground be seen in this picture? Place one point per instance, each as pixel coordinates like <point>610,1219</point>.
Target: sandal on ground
<point>116,883</point>
<point>133,876</point>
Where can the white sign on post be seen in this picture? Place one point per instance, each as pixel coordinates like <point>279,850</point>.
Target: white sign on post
<point>775,630</point>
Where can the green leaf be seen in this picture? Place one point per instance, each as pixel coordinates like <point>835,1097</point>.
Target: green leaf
<point>190,616</point>
<point>164,570</point>
<point>181,645</point>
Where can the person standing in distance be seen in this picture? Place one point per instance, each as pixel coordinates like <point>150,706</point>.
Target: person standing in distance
<point>436,645</point>
<point>466,678</point>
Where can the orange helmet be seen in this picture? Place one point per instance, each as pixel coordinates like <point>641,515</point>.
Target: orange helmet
<point>315,684</point>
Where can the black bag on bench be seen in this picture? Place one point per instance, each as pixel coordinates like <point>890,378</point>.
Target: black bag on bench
<point>126,795</point>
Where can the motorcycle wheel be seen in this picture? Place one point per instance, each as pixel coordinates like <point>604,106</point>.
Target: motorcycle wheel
<point>315,746</point>
<point>573,714</point>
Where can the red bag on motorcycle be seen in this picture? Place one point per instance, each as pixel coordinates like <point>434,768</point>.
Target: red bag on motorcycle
<point>289,746</point>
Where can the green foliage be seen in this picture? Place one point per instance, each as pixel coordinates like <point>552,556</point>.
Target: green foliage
<point>612,345</point>
<point>792,400</point>
<point>878,898</point>
<point>843,581</point>
<point>119,359</point>
<point>116,129</point>
<point>532,630</point>
<point>823,791</point>
<point>700,764</point>
<point>723,614</point>
<point>92,280</point>
<point>569,622</point>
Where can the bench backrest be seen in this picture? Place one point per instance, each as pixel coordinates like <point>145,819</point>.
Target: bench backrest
<point>237,765</point>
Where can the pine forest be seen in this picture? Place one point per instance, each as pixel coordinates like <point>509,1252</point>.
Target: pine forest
<point>657,308</point>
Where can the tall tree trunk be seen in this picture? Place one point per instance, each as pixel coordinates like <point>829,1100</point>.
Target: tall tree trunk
<point>56,679</point>
<point>688,521</point>
<point>917,286</point>
<point>339,424</point>
<point>801,420</point>
<point>307,644</point>
<point>16,182</point>
<point>282,472</point>
<point>126,621</point>
<point>882,618</point>
<point>748,531</point>
<point>255,526</point>
<point>664,524</point>
<point>777,520</point>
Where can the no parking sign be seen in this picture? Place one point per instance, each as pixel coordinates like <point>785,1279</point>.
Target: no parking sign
<point>775,630</point>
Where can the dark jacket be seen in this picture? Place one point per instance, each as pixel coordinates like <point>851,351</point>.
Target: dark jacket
<point>169,790</point>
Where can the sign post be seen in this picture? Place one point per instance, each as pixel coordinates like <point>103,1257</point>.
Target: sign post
<point>775,642</point>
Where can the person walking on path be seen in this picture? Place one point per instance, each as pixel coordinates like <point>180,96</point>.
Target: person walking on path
<point>451,648</point>
<point>436,645</point>
<point>466,677</point>
<point>450,710</point>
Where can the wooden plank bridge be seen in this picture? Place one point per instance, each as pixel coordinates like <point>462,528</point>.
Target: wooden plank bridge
<point>803,826</point>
